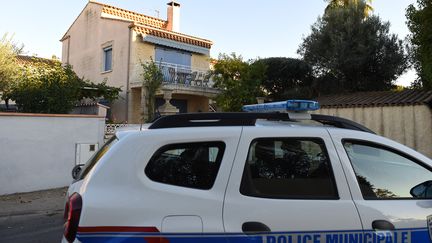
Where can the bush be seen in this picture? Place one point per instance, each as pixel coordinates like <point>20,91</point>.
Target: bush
<point>49,87</point>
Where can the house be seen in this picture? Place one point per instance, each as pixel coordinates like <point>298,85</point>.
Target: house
<point>404,116</point>
<point>106,42</point>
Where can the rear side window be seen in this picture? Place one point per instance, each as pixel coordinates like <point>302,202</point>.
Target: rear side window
<point>193,165</point>
<point>288,168</point>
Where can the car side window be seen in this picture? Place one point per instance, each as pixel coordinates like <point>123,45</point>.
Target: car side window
<point>383,173</point>
<point>288,168</point>
<point>193,165</point>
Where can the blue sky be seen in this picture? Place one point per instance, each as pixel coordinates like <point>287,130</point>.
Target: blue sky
<point>253,28</point>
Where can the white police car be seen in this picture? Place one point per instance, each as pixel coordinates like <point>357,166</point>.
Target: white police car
<point>252,177</point>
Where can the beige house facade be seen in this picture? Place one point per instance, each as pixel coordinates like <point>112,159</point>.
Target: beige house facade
<point>106,43</point>
<point>405,117</point>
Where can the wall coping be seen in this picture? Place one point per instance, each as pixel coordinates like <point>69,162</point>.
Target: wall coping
<point>48,115</point>
<point>371,106</point>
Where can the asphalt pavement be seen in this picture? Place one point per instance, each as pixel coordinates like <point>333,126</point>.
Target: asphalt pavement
<point>32,217</point>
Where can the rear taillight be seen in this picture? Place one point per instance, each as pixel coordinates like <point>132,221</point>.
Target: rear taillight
<point>72,216</point>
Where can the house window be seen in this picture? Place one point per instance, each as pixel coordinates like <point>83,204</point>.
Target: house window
<point>173,56</point>
<point>107,59</point>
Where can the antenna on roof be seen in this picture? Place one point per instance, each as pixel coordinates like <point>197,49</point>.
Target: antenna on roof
<point>157,13</point>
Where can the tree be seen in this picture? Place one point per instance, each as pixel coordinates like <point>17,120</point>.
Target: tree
<point>100,90</point>
<point>8,65</point>
<point>419,21</point>
<point>353,53</point>
<point>44,88</point>
<point>370,191</point>
<point>238,80</point>
<point>49,87</point>
<point>152,80</point>
<point>365,5</point>
<point>287,78</point>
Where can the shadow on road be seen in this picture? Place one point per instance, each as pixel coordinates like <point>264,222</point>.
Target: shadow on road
<point>32,228</point>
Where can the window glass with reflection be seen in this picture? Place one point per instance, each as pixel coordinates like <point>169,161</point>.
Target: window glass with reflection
<point>107,59</point>
<point>192,165</point>
<point>384,174</point>
<point>288,168</point>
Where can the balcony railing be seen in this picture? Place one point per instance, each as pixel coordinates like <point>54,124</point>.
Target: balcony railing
<point>185,75</point>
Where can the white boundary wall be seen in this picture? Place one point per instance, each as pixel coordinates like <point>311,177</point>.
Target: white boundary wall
<point>37,151</point>
<point>410,125</point>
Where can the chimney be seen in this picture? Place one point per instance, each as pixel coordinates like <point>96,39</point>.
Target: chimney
<point>173,16</point>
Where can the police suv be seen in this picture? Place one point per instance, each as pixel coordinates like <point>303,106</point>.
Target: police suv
<point>257,176</point>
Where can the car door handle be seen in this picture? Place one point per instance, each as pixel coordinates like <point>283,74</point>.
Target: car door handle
<point>255,227</point>
<point>382,225</point>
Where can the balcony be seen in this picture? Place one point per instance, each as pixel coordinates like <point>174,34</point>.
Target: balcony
<point>174,74</point>
<point>185,80</point>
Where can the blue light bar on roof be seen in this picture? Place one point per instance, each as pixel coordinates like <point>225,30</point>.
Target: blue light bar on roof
<point>284,106</point>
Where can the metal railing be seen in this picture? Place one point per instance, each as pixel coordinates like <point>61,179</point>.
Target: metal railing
<point>185,75</point>
<point>110,129</point>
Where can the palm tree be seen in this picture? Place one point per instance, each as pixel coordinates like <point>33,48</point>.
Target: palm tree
<point>345,3</point>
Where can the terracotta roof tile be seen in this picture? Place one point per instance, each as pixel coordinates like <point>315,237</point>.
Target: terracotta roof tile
<point>148,25</point>
<point>29,60</point>
<point>148,30</point>
<point>378,98</point>
<point>134,17</point>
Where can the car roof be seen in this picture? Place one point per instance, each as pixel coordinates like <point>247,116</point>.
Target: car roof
<point>215,119</point>
<point>133,128</point>
<point>259,124</point>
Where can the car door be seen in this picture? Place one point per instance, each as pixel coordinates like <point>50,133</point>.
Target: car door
<point>288,183</point>
<point>382,175</point>
<point>186,176</point>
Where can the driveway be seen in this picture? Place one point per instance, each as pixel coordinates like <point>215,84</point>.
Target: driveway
<point>32,217</point>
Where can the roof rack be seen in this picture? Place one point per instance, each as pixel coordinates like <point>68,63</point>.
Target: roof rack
<point>340,122</point>
<point>214,119</point>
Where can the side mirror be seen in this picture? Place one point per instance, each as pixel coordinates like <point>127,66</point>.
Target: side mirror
<point>422,190</point>
<point>76,171</point>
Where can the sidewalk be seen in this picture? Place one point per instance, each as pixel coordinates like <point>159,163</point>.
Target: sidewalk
<point>32,217</point>
<point>39,202</point>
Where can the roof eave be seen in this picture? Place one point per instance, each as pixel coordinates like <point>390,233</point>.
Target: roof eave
<point>116,19</point>
<point>173,32</point>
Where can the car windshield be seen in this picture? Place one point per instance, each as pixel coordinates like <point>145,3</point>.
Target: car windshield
<point>97,156</point>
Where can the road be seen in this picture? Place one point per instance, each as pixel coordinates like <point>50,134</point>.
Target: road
<point>32,217</point>
<point>32,228</point>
